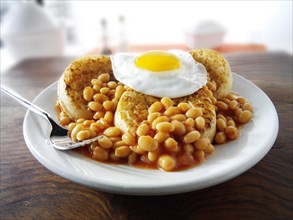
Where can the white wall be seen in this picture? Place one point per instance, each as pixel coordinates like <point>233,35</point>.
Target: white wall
<point>155,22</point>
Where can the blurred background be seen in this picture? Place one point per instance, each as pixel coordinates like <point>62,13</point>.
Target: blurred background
<point>44,28</point>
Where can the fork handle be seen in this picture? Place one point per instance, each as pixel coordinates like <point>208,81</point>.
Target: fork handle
<point>25,102</point>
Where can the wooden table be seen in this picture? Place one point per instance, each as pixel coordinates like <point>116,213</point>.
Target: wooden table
<point>30,191</point>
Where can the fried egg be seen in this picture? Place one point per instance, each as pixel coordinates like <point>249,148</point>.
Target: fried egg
<point>172,73</point>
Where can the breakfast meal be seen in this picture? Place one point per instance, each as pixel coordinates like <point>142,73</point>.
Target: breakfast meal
<point>156,109</point>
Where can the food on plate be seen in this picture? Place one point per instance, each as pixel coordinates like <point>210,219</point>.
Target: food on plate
<point>157,109</point>
<point>134,108</point>
<point>218,69</point>
<point>75,78</point>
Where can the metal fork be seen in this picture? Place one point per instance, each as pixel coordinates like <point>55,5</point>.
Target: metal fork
<point>59,137</point>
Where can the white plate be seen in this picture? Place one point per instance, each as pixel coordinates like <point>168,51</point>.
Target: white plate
<point>228,161</point>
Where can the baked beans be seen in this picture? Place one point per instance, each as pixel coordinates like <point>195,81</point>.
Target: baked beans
<point>112,132</point>
<point>147,143</point>
<point>183,106</point>
<point>142,130</point>
<point>166,127</point>
<point>179,128</point>
<point>171,145</point>
<point>170,136</point>
<point>83,135</point>
<point>156,107</point>
<point>105,142</point>
<point>160,137</point>
<point>191,137</point>
<point>166,162</point>
<point>167,102</point>
<point>122,151</point>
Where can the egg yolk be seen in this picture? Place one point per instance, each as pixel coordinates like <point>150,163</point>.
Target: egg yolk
<point>157,61</point>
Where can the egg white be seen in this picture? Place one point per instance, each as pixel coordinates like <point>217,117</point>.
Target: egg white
<point>190,77</point>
